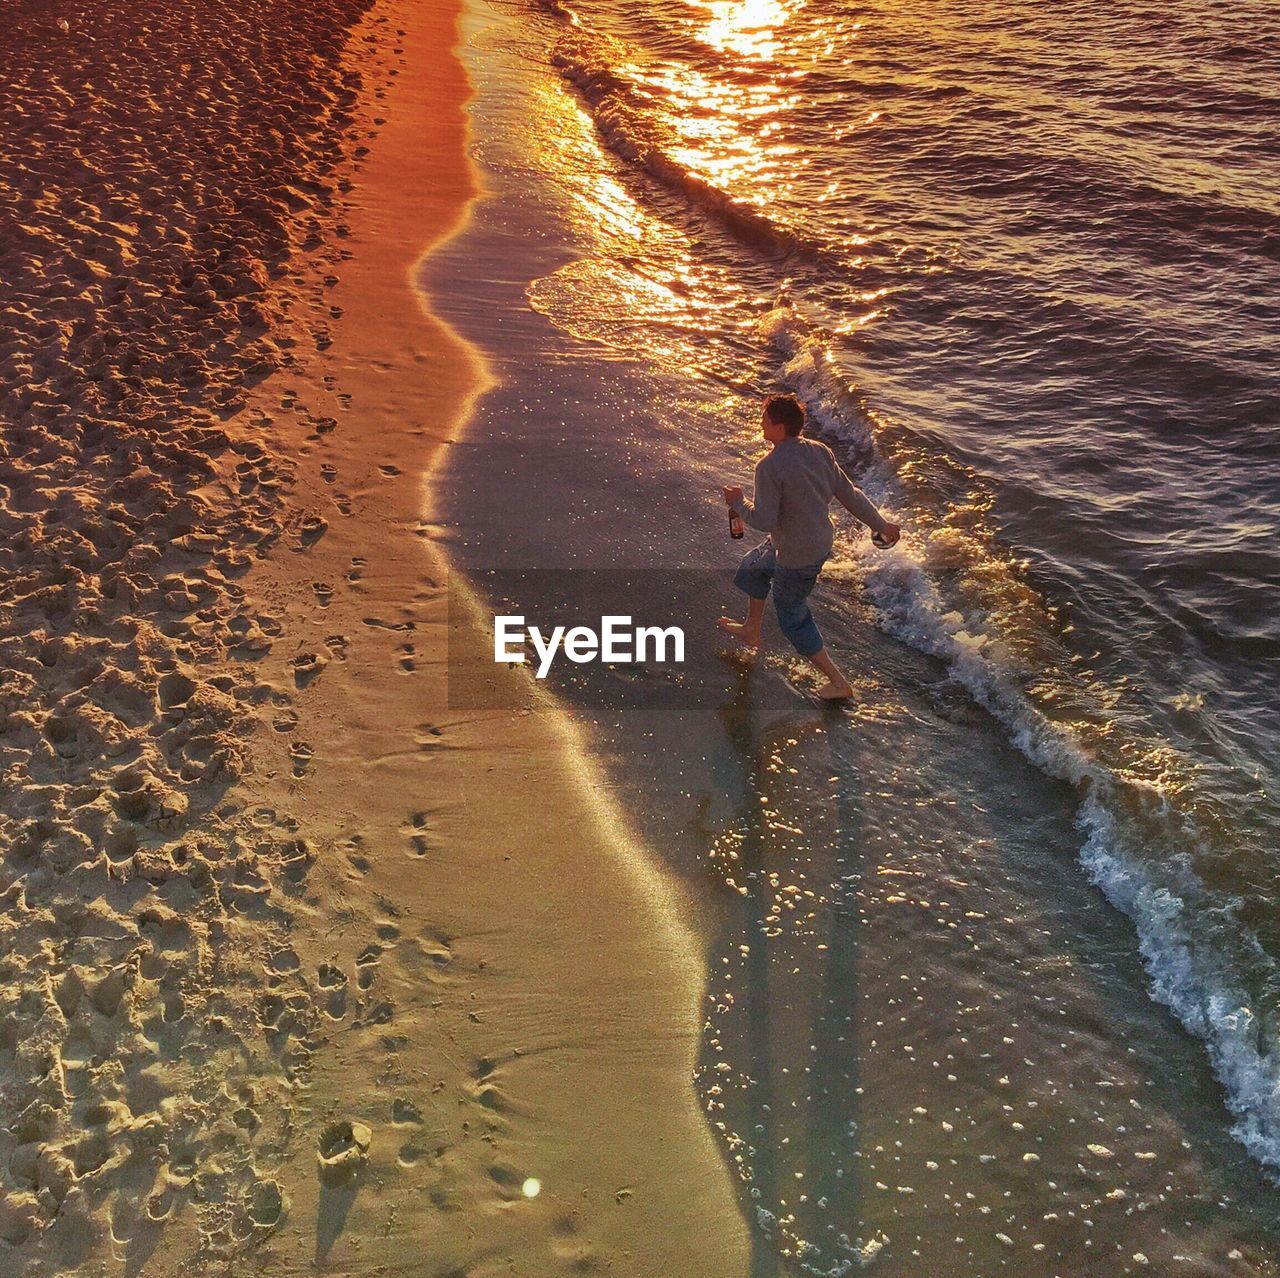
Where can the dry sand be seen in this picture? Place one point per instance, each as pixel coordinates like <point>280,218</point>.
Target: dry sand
<point>301,969</point>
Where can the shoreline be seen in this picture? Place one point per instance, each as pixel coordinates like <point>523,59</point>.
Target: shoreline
<point>548,1028</point>
<point>276,913</point>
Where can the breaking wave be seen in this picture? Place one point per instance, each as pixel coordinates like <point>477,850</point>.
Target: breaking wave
<point>1140,845</point>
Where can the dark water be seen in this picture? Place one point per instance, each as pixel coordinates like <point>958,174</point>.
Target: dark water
<point>1022,263</point>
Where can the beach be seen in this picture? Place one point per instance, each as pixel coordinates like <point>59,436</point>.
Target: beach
<point>292,981</point>
<point>335,336</point>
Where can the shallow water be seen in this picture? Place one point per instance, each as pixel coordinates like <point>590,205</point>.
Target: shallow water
<point>1022,267</point>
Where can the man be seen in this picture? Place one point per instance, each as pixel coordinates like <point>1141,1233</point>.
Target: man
<point>795,484</point>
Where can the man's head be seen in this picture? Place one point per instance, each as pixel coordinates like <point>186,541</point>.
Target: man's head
<point>783,418</point>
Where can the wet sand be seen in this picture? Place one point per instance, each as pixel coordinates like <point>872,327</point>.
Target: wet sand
<point>302,969</point>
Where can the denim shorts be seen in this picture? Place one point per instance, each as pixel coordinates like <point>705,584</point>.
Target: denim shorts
<point>760,570</point>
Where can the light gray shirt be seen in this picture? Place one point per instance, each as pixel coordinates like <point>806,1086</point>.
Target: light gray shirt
<point>795,484</point>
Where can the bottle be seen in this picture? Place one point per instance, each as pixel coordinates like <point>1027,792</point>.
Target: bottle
<point>736,530</point>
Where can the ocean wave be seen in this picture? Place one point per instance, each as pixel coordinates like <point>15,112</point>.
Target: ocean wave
<point>1072,192</point>
<point>1138,848</point>
<point>584,60</point>
<point>832,403</point>
<point>622,129</point>
<point>1203,993</point>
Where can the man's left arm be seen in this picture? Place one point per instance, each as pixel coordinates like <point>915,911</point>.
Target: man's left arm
<point>860,506</point>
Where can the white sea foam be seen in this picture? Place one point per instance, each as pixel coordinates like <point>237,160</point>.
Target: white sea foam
<point>1189,962</point>
<point>1200,991</point>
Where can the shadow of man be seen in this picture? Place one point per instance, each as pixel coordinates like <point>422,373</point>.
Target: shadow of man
<point>788,1027</point>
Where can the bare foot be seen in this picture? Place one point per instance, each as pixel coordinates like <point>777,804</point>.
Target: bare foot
<point>740,631</point>
<point>832,691</point>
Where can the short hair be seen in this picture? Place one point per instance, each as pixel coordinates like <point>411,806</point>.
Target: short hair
<point>785,411</point>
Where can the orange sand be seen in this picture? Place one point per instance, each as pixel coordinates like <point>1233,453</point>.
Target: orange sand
<point>535,1010</point>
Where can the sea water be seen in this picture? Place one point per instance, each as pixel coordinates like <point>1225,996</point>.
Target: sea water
<point>992,954</point>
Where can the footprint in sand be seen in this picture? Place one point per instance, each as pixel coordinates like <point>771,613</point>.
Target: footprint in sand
<point>323,592</point>
<point>333,980</point>
<point>407,662</point>
<point>285,720</point>
<point>312,528</point>
<point>366,965</point>
<point>378,623</point>
<point>337,645</point>
<point>343,1151</point>
<point>160,1204</point>
<point>485,1090</point>
<point>121,845</point>
<point>246,1118</point>
<point>249,640</point>
<point>301,752</point>
<point>271,1011</point>
<point>390,471</point>
<point>175,689</point>
<point>405,1113</point>
<point>306,667</point>
<point>416,830</point>
<point>296,858</point>
<point>284,961</point>
<point>267,1204</point>
<point>436,948</point>
<point>328,473</point>
<point>356,854</point>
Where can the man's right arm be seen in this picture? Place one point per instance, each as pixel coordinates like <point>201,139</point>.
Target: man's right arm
<point>762,513</point>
